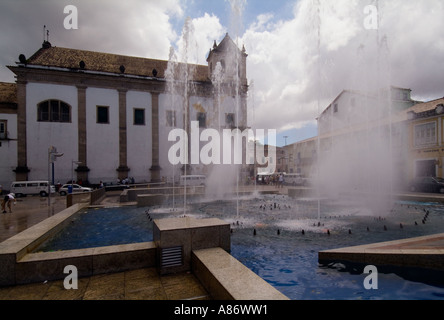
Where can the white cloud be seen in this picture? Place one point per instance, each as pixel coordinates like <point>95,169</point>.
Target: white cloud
<point>205,30</point>
<point>285,66</point>
<point>283,54</point>
<point>262,22</point>
<point>415,31</point>
<point>133,27</point>
<point>138,28</point>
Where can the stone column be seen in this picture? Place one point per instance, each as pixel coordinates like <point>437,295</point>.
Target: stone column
<point>22,169</point>
<point>155,167</point>
<point>82,169</point>
<point>123,156</point>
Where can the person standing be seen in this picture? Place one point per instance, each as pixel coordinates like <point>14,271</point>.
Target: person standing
<point>7,202</point>
<point>281,181</point>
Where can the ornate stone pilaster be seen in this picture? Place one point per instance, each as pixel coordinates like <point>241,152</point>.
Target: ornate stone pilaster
<point>82,170</point>
<point>155,167</point>
<point>22,169</point>
<point>123,146</point>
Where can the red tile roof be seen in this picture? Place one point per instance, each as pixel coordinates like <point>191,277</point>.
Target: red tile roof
<point>106,62</point>
<point>8,93</point>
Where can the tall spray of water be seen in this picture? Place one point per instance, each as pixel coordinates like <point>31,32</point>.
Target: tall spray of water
<point>179,86</point>
<point>355,132</point>
<point>227,84</point>
<point>317,22</point>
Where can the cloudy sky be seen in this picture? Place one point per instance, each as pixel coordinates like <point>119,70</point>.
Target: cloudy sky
<point>302,53</point>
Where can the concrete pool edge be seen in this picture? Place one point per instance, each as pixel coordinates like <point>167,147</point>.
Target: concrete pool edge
<point>27,240</point>
<point>19,265</point>
<point>19,245</point>
<point>426,252</point>
<point>46,266</point>
<point>226,278</point>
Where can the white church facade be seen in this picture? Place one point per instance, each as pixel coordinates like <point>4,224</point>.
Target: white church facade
<point>110,115</point>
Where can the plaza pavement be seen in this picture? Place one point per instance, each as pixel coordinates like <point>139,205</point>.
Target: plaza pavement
<point>143,284</point>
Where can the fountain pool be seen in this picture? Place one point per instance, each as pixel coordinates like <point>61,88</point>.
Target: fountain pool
<point>279,239</point>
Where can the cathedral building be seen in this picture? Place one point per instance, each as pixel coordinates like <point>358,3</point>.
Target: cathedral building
<point>110,115</point>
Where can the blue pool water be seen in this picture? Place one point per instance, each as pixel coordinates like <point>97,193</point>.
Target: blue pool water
<point>279,252</point>
<point>290,264</point>
<point>102,227</point>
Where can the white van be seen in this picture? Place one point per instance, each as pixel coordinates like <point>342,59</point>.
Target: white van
<point>193,180</point>
<point>23,188</point>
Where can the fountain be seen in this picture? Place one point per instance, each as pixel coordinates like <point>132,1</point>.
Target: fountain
<point>355,133</point>
<point>276,236</point>
<point>227,110</point>
<point>279,238</point>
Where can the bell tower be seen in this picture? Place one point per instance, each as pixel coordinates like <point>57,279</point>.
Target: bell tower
<point>231,60</point>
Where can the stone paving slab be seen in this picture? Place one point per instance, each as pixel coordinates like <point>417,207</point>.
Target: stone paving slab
<point>29,211</point>
<point>140,284</point>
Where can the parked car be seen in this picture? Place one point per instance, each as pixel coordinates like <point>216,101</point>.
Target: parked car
<point>427,184</point>
<point>24,188</point>
<point>75,189</point>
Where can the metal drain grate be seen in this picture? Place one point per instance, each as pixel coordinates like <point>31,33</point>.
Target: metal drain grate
<point>171,257</point>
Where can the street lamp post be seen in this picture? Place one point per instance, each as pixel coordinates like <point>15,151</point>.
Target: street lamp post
<point>52,157</point>
<point>285,169</point>
<point>73,162</point>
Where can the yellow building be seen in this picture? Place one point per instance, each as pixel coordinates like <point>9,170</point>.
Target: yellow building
<point>375,149</point>
<point>302,157</point>
<point>426,139</point>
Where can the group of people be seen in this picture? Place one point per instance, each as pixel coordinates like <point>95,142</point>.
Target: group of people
<point>277,180</point>
<point>126,181</point>
<point>7,202</point>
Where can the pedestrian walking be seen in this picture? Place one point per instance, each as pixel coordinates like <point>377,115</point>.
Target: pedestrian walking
<point>281,181</point>
<point>7,202</point>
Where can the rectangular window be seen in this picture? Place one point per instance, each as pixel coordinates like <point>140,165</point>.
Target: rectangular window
<point>202,118</point>
<point>139,117</point>
<point>425,134</point>
<point>406,96</point>
<point>171,118</point>
<point>335,108</point>
<point>229,120</point>
<point>102,114</point>
<point>3,129</point>
<point>43,111</point>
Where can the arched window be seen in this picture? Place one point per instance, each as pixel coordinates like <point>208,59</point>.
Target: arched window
<point>53,111</point>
